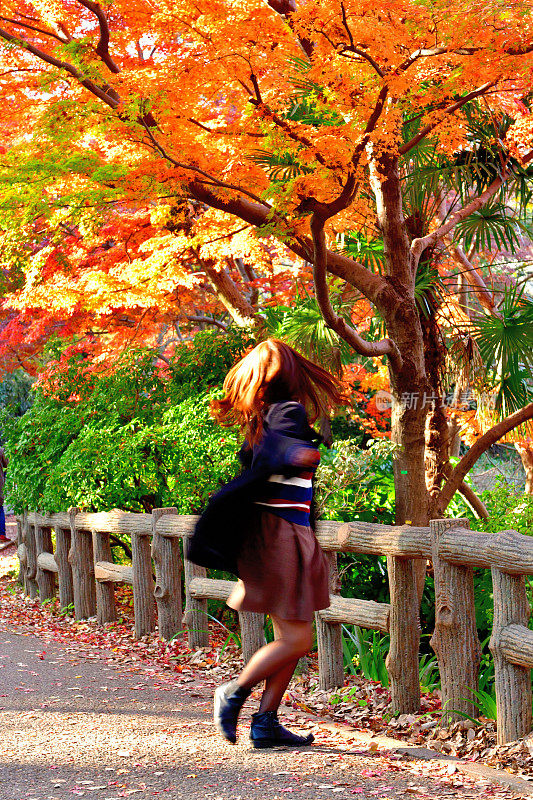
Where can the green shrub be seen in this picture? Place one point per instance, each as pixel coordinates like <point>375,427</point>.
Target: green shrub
<point>509,508</point>
<point>352,483</point>
<point>356,483</point>
<point>137,467</point>
<point>134,437</point>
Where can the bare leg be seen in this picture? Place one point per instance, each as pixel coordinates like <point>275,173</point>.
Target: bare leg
<point>276,683</point>
<point>275,687</point>
<point>275,662</point>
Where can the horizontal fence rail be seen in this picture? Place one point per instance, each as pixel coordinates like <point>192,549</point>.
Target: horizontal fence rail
<point>82,567</point>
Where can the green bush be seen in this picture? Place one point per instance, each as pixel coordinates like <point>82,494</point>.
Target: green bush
<point>509,508</point>
<point>356,483</point>
<point>352,483</point>
<point>137,467</point>
<point>134,437</point>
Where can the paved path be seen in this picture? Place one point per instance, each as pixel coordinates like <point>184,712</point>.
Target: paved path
<point>76,724</point>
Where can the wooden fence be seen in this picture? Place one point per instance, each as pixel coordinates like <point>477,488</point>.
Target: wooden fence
<point>86,576</point>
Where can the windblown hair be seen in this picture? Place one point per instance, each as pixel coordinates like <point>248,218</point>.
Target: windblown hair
<point>270,373</point>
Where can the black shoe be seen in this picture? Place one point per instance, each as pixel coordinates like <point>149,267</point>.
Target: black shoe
<point>229,699</point>
<point>266,731</point>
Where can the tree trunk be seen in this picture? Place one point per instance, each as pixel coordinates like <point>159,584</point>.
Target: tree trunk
<point>399,310</point>
<point>231,297</point>
<point>525,449</point>
<point>409,387</point>
<point>437,446</point>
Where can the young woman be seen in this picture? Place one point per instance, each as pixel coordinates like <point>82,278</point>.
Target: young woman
<point>259,526</point>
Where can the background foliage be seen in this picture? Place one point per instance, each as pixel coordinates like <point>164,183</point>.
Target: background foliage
<point>135,438</point>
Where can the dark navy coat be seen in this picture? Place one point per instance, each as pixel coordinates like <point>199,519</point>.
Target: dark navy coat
<point>222,528</point>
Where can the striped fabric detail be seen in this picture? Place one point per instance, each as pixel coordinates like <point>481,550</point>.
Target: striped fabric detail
<point>290,498</point>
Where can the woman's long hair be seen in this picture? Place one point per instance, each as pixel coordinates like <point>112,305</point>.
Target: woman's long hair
<point>270,373</point>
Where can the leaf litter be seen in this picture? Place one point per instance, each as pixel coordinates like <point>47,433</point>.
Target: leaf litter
<point>360,705</point>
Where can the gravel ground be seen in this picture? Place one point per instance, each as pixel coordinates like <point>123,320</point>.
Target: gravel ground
<point>75,724</point>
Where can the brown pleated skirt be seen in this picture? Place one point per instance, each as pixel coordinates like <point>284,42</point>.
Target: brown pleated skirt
<point>282,570</point>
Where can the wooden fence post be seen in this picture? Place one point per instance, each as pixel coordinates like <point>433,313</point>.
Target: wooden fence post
<point>252,627</point>
<point>195,617</point>
<point>402,660</point>
<point>81,560</point>
<point>21,553</point>
<point>167,562</point>
<point>329,638</point>
<point>46,580</point>
<point>31,556</point>
<point>106,610</point>
<point>143,584</point>
<point>512,682</point>
<point>66,585</point>
<point>455,640</point>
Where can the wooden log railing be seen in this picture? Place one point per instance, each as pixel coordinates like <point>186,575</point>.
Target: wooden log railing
<point>509,556</point>
<point>87,576</point>
<point>82,567</point>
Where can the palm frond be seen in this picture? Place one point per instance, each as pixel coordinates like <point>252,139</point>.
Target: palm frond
<point>491,226</point>
<point>507,341</point>
<point>474,166</point>
<point>429,288</point>
<point>368,252</point>
<point>282,166</point>
<point>303,327</point>
<point>309,103</point>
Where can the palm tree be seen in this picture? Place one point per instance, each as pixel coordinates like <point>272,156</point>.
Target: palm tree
<point>433,186</point>
<point>505,343</point>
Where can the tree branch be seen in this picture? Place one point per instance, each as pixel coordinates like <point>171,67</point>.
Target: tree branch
<point>211,178</point>
<point>354,49</point>
<point>478,448</point>
<point>473,277</point>
<point>474,501</point>
<point>206,321</point>
<point>520,51</point>
<point>229,294</point>
<point>102,48</point>
<point>370,125</point>
<point>466,268</point>
<point>224,132</point>
<point>64,65</point>
<point>370,284</point>
<point>34,28</point>
<point>419,245</point>
<point>449,110</point>
<point>331,318</point>
<point>361,53</point>
<point>430,52</point>
<point>285,8</point>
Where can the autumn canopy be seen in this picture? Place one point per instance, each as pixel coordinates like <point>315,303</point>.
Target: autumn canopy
<point>162,162</point>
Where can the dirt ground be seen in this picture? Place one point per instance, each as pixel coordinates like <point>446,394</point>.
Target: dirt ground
<point>84,712</point>
<point>76,726</point>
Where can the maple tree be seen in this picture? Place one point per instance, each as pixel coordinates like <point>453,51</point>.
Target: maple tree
<point>292,120</point>
<point>133,278</point>
<point>297,120</point>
